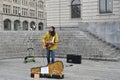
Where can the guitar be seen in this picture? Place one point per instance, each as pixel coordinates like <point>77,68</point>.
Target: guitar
<point>48,44</point>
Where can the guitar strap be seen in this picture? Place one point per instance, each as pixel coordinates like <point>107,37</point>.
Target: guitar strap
<point>53,39</point>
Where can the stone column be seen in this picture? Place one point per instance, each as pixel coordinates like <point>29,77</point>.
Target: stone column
<point>12,25</point>
<point>28,25</point>
<point>1,17</point>
<point>36,24</point>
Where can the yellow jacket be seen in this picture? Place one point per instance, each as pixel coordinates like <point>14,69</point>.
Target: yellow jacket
<point>48,38</point>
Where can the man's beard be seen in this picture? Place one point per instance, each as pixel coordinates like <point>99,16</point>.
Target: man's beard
<point>52,33</point>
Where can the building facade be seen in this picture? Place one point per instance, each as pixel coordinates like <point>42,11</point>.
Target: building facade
<point>100,17</point>
<point>68,13</point>
<point>22,15</point>
<point>59,13</point>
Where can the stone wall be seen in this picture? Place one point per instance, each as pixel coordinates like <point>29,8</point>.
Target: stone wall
<point>90,11</point>
<point>107,31</point>
<point>59,13</point>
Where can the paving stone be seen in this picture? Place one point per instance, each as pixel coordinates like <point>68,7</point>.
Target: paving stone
<point>15,69</point>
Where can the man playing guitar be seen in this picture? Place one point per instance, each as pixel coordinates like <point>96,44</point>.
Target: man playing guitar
<point>50,40</point>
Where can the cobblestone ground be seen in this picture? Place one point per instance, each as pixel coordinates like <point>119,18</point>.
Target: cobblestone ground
<point>15,69</point>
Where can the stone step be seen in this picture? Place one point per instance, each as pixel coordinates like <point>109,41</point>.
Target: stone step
<point>77,42</point>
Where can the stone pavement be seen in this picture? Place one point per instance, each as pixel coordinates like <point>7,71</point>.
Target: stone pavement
<point>15,69</point>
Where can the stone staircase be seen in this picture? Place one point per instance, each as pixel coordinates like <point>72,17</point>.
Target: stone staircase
<point>104,51</point>
<point>14,44</point>
<point>88,46</point>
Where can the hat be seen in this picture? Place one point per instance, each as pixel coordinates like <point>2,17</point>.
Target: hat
<point>52,27</point>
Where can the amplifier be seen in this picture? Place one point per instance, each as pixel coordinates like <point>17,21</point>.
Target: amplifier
<point>72,58</point>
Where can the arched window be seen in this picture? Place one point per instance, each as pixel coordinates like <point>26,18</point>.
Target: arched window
<point>25,25</point>
<point>75,9</point>
<point>40,26</point>
<point>32,25</point>
<point>16,25</point>
<point>7,24</point>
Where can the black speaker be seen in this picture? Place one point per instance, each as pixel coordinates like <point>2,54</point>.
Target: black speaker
<point>72,58</point>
